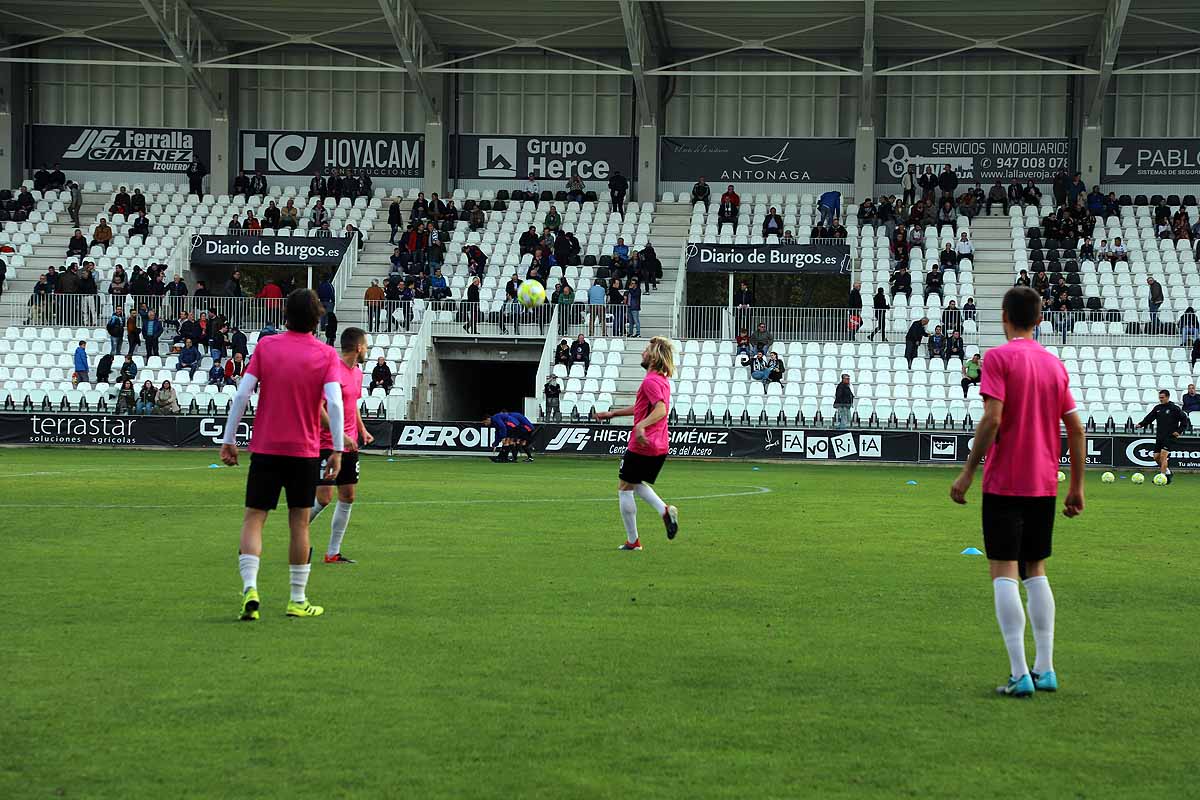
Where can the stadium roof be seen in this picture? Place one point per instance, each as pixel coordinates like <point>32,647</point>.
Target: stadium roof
<point>638,38</point>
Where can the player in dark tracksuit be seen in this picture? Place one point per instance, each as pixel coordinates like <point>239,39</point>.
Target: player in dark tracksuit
<point>513,432</point>
<point>1169,421</point>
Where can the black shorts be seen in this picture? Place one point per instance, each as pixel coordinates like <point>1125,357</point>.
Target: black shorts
<point>347,476</point>
<point>1163,444</point>
<point>268,474</point>
<point>638,468</point>
<point>1018,528</point>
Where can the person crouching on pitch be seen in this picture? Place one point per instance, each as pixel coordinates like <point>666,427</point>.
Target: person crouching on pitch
<point>353,355</point>
<point>293,371</point>
<point>648,442</point>
<point>502,436</point>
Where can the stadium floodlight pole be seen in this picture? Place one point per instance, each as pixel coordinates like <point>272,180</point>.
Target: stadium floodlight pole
<point>866,105</point>
<point>635,41</point>
<point>411,39</point>
<point>183,58</point>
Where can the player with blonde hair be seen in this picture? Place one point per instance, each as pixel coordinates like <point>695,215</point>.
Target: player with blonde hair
<point>648,442</point>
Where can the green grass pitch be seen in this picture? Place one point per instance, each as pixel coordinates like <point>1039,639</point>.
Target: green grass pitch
<point>821,639</point>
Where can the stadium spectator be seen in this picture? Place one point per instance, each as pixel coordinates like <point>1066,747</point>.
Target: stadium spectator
<point>701,192</point>
<point>880,304</point>
<point>533,189</point>
<point>929,184</point>
<point>912,339</point>
<point>947,215</point>
<point>997,194</point>
<point>196,172</point>
<point>952,317</point>
<point>104,368</point>
<point>1023,279</point>
<point>1195,353</point>
<point>843,402</point>
<point>913,238</point>
<point>234,369</point>
<point>616,299</point>
<point>829,205</point>
<point>743,298</point>
<point>241,184</point>
<point>166,402</point>
<point>553,220</point>
<point>323,231</point>
<point>562,353</point>
<point>77,245</point>
<point>581,353</point>
<point>81,363</point>
<point>1059,186</point>
<point>216,374</point>
<point>1189,326</point>
<point>381,376</point>
<point>964,248</point>
<point>41,179</point>
<point>1156,301</point>
<point>258,184</point>
<point>128,368</point>
<point>836,230</point>
<point>189,357</point>
<point>633,304</point>
<point>955,347</point>
<point>272,218</point>
<point>772,223</point>
<point>145,400</point>
<point>115,328</point>
<point>235,227</point>
<point>901,282</point>
<point>252,226</point>
<point>908,185</point>
<point>137,202</point>
<point>75,203</point>
<point>948,183</point>
<point>552,392</point>
<point>937,343</point>
<point>1190,401</point>
<point>133,329</point>
<point>947,258</point>
<point>759,370</point>
<point>102,235</point>
<point>854,300</point>
<point>477,219</point>
<point>775,367</point>
<point>319,215</point>
<point>597,296</point>
<point>290,216</point>
<point>126,398</point>
<point>933,283</point>
<point>620,253</point>
<point>968,310</point>
<point>762,339</point>
<point>576,191</point>
<point>618,185</point>
<point>971,370</point>
<point>742,343</point>
<point>867,213</point>
<point>788,238</point>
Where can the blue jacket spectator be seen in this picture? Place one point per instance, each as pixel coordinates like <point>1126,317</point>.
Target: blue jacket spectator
<point>216,374</point>
<point>325,292</point>
<point>153,328</point>
<point>189,357</point>
<point>1095,202</point>
<point>81,363</point>
<point>621,251</point>
<point>597,295</point>
<point>830,206</point>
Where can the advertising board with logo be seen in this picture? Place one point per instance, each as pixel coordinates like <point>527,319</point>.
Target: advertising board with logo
<point>319,251</point>
<point>550,158</point>
<point>755,160</point>
<point>97,148</point>
<point>1150,161</point>
<point>813,258</point>
<point>305,153</point>
<point>983,160</point>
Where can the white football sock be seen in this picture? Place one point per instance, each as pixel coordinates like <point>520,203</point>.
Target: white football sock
<point>315,511</point>
<point>299,580</point>
<point>647,494</point>
<point>337,526</point>
<point>1011,616</point>
<point>248,566</point>
<point>1041,617</point>
<point>628,515</point>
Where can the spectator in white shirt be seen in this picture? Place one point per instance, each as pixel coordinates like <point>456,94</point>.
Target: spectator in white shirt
<point>532,187</point>
<point>319,215</point>
<point>963,247</point>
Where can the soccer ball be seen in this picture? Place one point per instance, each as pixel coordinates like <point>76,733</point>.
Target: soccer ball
<point>1137,478</point>
<point>1062,476</point>
<point>1108,477</point>
<point>1160,480</point>
<point>531,294</point>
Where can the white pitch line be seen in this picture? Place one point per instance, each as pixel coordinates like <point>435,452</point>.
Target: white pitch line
<point>96,469</point>
<point>757,490</point>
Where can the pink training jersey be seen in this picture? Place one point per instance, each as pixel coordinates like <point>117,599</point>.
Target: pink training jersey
<point>655,389</point>
<point>292,370</point>
<point>351,379</point>
<point>1035,390</point>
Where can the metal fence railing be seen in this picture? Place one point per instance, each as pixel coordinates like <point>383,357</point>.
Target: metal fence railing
<point>784,324</point>
<point>94,310</point>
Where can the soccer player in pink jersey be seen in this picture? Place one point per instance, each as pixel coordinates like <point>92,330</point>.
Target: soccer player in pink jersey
<point>293,371</point>
<point>1026,394</point>
<point>648,442</point>
<point>353,354</point>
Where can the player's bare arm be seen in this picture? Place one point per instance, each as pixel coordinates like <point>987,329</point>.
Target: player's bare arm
<point>659,412</point>
<point>614,413</point>
<point>985,435</point>
<point>1077,448</point>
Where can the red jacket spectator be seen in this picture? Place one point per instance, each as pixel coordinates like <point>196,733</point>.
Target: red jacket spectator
<point>731,196</point>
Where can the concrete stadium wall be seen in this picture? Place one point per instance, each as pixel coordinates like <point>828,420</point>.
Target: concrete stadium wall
<point>1154,105</point>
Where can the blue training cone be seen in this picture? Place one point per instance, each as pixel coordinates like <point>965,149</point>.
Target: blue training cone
<point>911,483</point>
<point>971,551</point>
<point>214,466</point>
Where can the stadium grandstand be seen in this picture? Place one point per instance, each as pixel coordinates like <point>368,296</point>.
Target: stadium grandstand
<point>187,161</point>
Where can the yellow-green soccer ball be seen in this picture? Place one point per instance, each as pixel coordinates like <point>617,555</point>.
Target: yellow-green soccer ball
<point>1062,476</point>
<point>1160,480</point>
<point>531,294</point>
<point>1137,478</point>
<point>1108,477</point>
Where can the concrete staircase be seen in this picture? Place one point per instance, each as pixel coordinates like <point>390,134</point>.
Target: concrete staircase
<point>52,252</point>
<point>993,271</point>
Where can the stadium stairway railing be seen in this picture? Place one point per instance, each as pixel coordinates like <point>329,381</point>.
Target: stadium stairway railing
<point>400,400</point>
<point>545,364</point>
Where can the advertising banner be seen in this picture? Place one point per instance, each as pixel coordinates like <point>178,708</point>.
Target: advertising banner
<point>87,430</point>
<point>550,158</point>
<point>755,160</point>
<point>1150,161</point>
<point>819,259</point>
<point>81,148</point>
<point>304,153</point>
<point>319,251</point>
<point>983,160</point>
